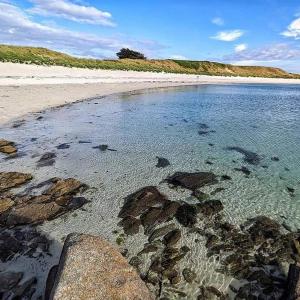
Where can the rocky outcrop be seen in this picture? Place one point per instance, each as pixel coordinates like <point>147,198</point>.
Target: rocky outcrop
<point>7,147</point>
<point>9,180</point>
<point>90,268</point>
<point>58,199</point>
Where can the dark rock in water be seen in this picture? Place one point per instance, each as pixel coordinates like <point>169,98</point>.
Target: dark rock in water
<point>18,123</point>
<point>130,225</point>
<point>262,226</point>
<point>211,144</point>
<point>188,275</point>
<point>249,156</point>
<point>171,238</point>
<point>210,207</point>
<point>84,142</point>
<point>186,215</point>
<point>275,158</point>
<point>208,162</point>
<point>172,275</point>
<point>26,241</point>
<point>63,146</point>
<point>192,181</point>
<point>205,132</point>
<point>9,180</point>
<point>9,280</point>
<point>149,217</point>
<point>135,261</point>
<point>225,177</point>
<point>291,191</point>
<point>203,126</point>
<point>47,159</point>
<point>162,162</point>
<point>244,170</point>
<point>157,233</point>
<point>39,118</point>
<point>104,148</point>
<point>140,201</point>
<point>148,248</point>
<point>210,293</point>
<point>7,147</point>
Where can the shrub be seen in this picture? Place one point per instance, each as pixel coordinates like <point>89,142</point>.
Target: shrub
<point>131,54</point>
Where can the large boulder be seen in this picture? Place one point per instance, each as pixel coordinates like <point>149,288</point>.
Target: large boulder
<point>90,268</point>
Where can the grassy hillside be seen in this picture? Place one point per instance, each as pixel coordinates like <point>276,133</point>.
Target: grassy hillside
<point>43,56</point>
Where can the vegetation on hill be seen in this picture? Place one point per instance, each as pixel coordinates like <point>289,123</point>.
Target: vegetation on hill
<point>43,56</point>
<point>127,53</point>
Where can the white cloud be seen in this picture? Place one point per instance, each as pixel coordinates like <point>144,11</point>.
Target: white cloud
<point>218,21</point>
<point>179,57</point>
<point>276,52</point>
<point>293,30</point>
<point>16,27</point>
<point>240,47</point>
<point>71,11</point>
<point>228,36</point>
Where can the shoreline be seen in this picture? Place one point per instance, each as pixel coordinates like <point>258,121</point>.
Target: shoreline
<point>28,89</point>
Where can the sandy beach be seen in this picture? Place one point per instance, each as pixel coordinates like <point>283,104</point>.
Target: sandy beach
<point>31,88</point>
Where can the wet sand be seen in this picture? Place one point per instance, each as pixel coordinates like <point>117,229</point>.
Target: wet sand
<point>30,88</point>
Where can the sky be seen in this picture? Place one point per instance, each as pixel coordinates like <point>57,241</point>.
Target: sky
<point>256,32</point>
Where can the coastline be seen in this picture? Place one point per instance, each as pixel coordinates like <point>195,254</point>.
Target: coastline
<point>32,88</point>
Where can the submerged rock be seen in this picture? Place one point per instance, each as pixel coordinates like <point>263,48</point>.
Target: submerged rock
<point>7,147</point>
<point>244,170</point>
<point>192,181</point>
<point>171,238</point>
<point>210,207</point>
<point>249,156</point>
<point>47,159</point>
<point>188,275</point>
<point>157,233</point>
<point>130,225</point>
<point>63,146</point>
<point>162,162</point>
<point>91,268</point>
<point>9,180</point>
<point>186,215</point>
<point>140,201</point>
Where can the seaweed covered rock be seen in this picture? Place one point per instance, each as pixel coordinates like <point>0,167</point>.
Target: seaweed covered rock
<point>192,181</point>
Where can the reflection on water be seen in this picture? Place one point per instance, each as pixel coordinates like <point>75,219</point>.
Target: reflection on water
<point>206,128</point>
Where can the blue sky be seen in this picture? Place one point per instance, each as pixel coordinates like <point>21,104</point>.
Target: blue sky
<point>256,32</point>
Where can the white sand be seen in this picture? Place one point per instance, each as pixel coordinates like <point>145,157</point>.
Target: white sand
<point>30,88</point>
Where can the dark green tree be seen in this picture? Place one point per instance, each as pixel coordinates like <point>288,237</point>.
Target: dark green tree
<point>128,53</point>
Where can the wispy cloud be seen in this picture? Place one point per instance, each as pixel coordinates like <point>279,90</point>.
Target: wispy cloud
<point>218,21</point>
<point>240,47</point>
<point>178,56</point>
<point>293,30</point>
<point>16,27</point>
<point>228,36</point>
<point>72,11</point>
<point>269,53</point>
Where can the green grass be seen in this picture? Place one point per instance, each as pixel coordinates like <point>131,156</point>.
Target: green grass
<point>43,56</point>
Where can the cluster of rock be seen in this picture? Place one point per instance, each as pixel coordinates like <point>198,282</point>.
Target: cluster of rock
<point>19,213</point>
<point>256,254</point>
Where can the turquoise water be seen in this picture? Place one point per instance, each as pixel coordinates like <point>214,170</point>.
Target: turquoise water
<point>192,127</point>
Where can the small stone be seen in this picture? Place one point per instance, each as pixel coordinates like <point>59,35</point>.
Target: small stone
<point>162,162</point>
<point>171,238</point>
<point>47,159</point>
<point>63,146</point>
<point>188,275</point>
<point>275,158</point>
<point>225,177</point>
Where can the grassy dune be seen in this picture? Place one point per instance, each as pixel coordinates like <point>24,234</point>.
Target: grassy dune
<point>43,56</point>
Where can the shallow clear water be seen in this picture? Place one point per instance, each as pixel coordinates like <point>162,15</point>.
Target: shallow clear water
<point>264,119</point>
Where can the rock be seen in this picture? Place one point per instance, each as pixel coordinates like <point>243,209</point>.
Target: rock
<point>63,146</point>
<point>47,159</point>
<point>186,215</point>
<point>173,276</point>
<point>148,248</point>
<point>275,158</point>
<point>135,261</point>
<point>291,191</point>
<point>140,201</point>
<point>225,177</point>
<point>9,280</point>
<point>104,148</point>
<point>5,204</point>
<point>192,181</point>
<point>162,162</point>
<point>210,293</point>
<point>249,156</point>
<point>188,275</point>
<point>130,225</point>
<point>56,200</point>
<point>157,233</point>
<point>171,238</point>
<point>10,180</point>
<point>149,217</point>
<point>210,207</point>
<point>216,191</point>
<point>63,187</point>
<point>244,170</point>
<point>90,268</point>
<point>7,147</point>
